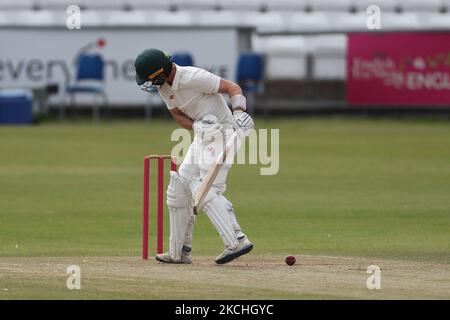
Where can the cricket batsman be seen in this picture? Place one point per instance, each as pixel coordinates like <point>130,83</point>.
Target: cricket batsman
<point>194,99</point>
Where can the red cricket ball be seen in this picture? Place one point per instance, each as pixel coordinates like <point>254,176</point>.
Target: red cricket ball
<point>290,260</point>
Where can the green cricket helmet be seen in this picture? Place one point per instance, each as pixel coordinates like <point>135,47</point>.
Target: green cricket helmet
<point>151,65</point>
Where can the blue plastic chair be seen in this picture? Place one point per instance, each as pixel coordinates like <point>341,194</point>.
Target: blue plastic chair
<point>250,76</point>
<point>88,67</point>
<point>183,59</point>
<point>16,107</point>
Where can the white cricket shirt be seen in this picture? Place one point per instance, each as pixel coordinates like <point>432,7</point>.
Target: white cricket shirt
<point>195,92</point>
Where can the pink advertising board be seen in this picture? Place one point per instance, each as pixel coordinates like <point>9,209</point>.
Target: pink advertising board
<point>398,69</point>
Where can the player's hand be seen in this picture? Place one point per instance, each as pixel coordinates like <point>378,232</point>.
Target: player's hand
<point>242,120</point>
<point>197,127</point>
<point>208,129</point>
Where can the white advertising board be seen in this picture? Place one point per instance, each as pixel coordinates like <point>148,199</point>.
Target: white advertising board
<point>40,56</point>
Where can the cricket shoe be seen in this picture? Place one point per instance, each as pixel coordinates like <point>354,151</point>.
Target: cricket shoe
<point>185,257</point>
<point>245,246</point>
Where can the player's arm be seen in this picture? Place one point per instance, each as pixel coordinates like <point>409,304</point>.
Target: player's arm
<point>210,83</point>
<point>182,119</point>
<point>238,104</point>
<point>234,91</point>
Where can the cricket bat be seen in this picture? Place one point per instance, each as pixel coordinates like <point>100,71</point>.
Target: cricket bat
<point>210,177</point>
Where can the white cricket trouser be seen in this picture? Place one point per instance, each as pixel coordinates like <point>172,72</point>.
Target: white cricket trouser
<point>196,164</point>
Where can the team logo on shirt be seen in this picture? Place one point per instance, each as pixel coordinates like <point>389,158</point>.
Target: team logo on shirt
<point>171,97</point>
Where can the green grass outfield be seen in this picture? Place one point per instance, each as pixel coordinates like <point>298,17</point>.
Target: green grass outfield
<point>346,187</point>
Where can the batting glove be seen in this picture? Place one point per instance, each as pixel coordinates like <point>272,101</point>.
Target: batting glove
<point>242,120</point>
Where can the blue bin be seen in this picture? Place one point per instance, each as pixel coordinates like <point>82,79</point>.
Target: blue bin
<point>16,107</point>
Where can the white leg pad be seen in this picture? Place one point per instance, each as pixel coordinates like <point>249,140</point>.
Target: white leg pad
<point>216,209</point>
<point>180,211</point>
<point>189,232</point>
<point>236,226</point>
